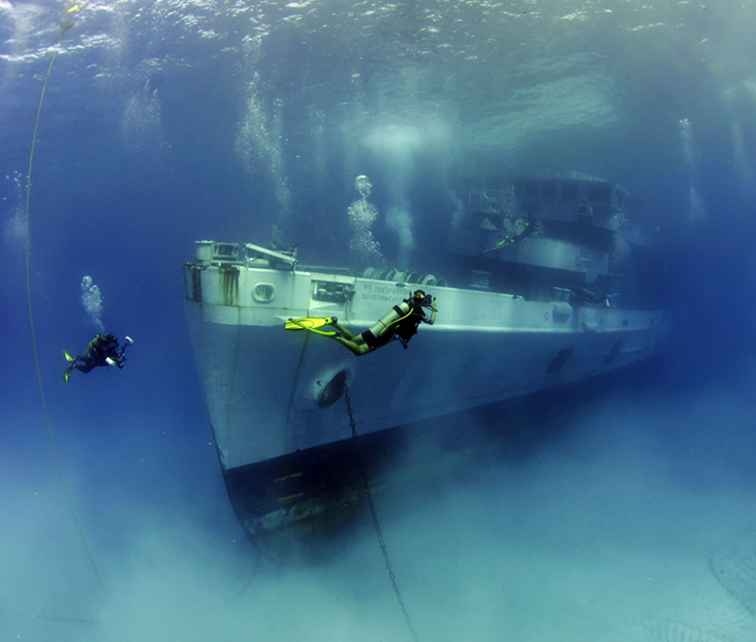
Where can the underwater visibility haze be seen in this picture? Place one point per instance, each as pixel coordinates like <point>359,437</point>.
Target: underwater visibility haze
<point>622,511</point>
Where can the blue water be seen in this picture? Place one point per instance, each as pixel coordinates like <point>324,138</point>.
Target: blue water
<point>167,122</point>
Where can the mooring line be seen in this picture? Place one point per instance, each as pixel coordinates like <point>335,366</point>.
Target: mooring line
<point>49,424</point>
<point>376,522</point>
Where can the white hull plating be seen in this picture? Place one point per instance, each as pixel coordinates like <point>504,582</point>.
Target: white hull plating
<point>265,386</point>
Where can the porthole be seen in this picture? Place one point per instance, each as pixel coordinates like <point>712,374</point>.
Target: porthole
<point>264,292</point>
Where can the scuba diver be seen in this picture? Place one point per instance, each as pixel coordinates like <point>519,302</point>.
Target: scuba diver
<point>67,22</point>
<point>514,231</point>
<point>401,323</point>
<point>103,350</point>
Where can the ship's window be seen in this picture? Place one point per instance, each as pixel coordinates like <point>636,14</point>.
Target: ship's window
<point>333,292</point>
<point>558,362</point>
<point>264,292</point>
<point>569,192</point>
<point>226,250</point>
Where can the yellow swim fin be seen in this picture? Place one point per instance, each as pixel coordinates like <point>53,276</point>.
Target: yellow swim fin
<point>307,323</point>
<point>67,376</point>
<point>312,324</point>
<point>68,356</point>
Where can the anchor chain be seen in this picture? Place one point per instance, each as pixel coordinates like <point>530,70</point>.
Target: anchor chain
<point>377,524</point>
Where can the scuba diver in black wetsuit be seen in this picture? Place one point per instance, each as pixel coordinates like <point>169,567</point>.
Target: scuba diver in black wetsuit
<point>516,231</point>
<point>103,350</point>
<point>400,323</point>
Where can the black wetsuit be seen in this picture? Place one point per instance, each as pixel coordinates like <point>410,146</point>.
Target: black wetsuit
<point>99,349</point>
<point>404,329</point>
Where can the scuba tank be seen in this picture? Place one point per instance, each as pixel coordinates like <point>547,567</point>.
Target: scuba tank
<point>399,321</point>
<point>395,314</point>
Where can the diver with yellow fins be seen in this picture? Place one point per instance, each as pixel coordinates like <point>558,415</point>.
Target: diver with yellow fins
<point>67,22</point>
<point>401,323</point>
<point>103,350</point>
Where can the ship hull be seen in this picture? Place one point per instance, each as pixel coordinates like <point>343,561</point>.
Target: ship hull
<point>271,392</point>
<point>274,395</point>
